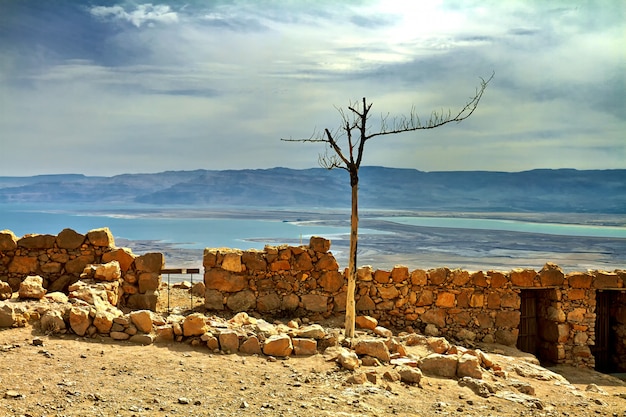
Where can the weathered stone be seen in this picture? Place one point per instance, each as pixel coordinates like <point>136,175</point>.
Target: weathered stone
<point>278,345</point>
<point>388,292</point>
<point>51,267</point>
<point>425,298</point>
<point>150,262</point>
<point>579,280</point>
<point>110,272</point>
<point>435,316</point>
<point>551,275</point>
<point>142,339</point>
<point>7,315</point>
<point>78,264</point>
<point>523,277</point>
<point>606,279</point>
<point>366,322</point>
<point>123,256</point>
<point>8,240</point>
<point>36,241</point>
<point>304,347</point>
<point>319,244</point>
<point>213,300</point>
<point>117,335</point>
<point>438,344</point>
<point>23,265</point>
<point>232,262</point>
<point>365,303</point>
<point>79,320</point>
<point>339,301</point>
<point>229,341</point>
<point>469,365</point>
<point>577,315</point>
<point>373,347</point>
<point>103,321</point>
<point>445,300</point>
<point>251,346</point>
<point>312,331</point>
<point>437,276</point>
<point>507,337</point>
<point>268,302</point>
<point>32,287</point>
<point>459,277</point>
<point>327,262</point>
<point>142,319</point>
<point>315,302</point>
<point>431,330</point>
<point>357,378</point>
<point>241,301</point>
<point>194,325</point>
<point>52,322</point>
<point>439,365</point>
<point>69,239</point>
<point>6,291</point>
<point>381,276</point>
<point>409,374</point>
<point>332,281</point>
<point>399,273</point>
<point>507,318</point>
<point>254,261</point>
<point>364,273</point>
<point>290,302</point>
<point>221,280</point>
<point>479,279</point>
<point>348,360</point>
<point>419,277</point>
<point>147,301</point>
<point>101,237</point>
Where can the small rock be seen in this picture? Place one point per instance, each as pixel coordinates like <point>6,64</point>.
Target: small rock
<point>184,400</point>
<point>37,342</point>
<point>14,394</point>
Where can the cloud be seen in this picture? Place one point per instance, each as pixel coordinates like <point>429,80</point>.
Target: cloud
<point>143,14</point>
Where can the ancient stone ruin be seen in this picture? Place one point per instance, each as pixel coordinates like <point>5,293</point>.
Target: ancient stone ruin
<point>62,260</point>
<point>84,282</point>
<point>577,318</point>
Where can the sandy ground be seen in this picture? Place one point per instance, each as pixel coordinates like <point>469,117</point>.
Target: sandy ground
<point>73,376</point>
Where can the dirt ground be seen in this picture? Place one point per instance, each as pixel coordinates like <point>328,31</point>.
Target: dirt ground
<point>67,375</point>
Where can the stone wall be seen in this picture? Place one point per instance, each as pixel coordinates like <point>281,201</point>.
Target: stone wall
<point>63,259</point>
<point>471,307</point>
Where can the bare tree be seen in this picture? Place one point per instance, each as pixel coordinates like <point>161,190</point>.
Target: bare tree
<point>354,132</point>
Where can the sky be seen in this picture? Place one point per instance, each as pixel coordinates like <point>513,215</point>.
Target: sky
<point>109,87</point>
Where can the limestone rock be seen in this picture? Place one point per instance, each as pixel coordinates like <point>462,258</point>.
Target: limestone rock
<point>251,346</point>
<point>101,237</point>
<point>142,319</point>
<point>304,347</point>
<point>382,331</point>
<point>366,322</point>
<point>150,262</point>
<point>438,344</point>
<point>480,387</point>
<point>315,302</point>
<point>8,240</point>
<point>32,287</point>
<point>439,365</point>
<point>313,331</point>
<point>409,374</point>
<point>69,239</point>
<point>108,272</point>
<point>5,291</point>
<point>229,341</point>
<point>7,315</point>
<point>469,365</point>
<point>79,320</point>
<point>348,359</point>
<point>52,322</point>
<point>142,339</point>
<point>278,345</point>
<point>373,347</point>
<point>194,325</point>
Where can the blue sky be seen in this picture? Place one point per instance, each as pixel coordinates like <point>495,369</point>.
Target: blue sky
<point>111,87</point>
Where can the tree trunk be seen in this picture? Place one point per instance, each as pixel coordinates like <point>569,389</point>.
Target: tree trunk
<point>352,265</point>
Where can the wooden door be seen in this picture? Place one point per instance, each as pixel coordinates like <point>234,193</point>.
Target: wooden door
<point>528,338</point>
<point>602,348</point>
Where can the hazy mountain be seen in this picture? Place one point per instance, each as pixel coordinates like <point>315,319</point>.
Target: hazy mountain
<point>563,190</point>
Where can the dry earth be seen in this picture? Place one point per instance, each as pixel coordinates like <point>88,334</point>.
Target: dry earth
<point>73,376</point>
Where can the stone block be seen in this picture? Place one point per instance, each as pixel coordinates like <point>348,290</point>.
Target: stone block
<point>419,277</point>
<point>148,281</point>
<point>381,276</point>
<point>469,365</point>
<point>221,280</point>
<point>606,279</point>
<point>123,256</point>
<point>376,348</point>
<point>303,262</point>
<point>229,341</point>
<point>8,240</point>
<point>32,287</point>
<point>69,239</point>
<point>304,347</point>
<point>366,322</point>
<point>445,300</point>
<point>290,302</point>
<point>150,262</point>
<point>327,262</point>
<point>579,280</point>
<point>439,365</point>
<point>194,325</point>
<point>434,316</point>
<point>497,279</point>
<point>315,302</point>
<point>332,281</point>
<point>523,277</point>
<point>551,275</point>
<point>364,273</point>
<point>507,319</point>
<point>425,298</point>
<point>142,319</point>
<point>319,244</point>
<point>438,276</point>
<point>23,265</point>
<point>399,273</point>
<point>79,320</point>
<point>111,271</point>
<point>388,292</point>
<point>365,303</point>
<point>35,241</point>
<point>101,237</point>
<point>241,301</point>
<point>268,302</point>
<point>77,265</point>
<point>479,279</point>
<point>460,277</point>
<point>251,346</point>
<point>507,337</point>
<point>278,345</point>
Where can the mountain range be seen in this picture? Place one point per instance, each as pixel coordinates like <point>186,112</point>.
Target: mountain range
<point>541,190</point>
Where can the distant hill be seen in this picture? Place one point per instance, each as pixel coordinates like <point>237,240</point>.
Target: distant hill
<point>544,190</point>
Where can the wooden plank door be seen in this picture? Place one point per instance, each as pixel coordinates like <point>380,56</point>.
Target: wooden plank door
<point>601,350</point>
<point>527,341</point>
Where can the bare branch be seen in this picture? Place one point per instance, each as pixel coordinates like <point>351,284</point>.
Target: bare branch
<point>437,119</point>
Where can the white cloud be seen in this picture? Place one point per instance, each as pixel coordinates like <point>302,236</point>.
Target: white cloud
<point>143,14</point>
